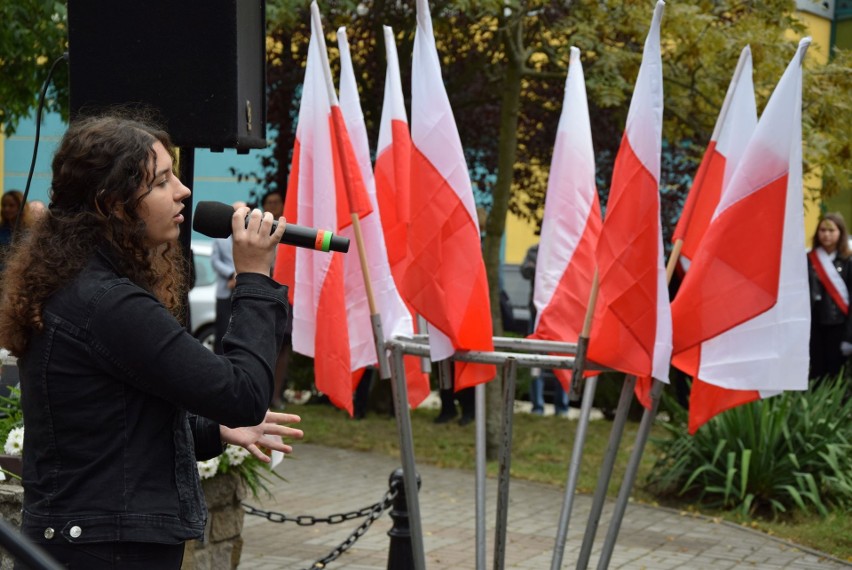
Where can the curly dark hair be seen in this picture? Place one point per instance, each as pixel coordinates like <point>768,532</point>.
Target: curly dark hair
<point>99,167</point>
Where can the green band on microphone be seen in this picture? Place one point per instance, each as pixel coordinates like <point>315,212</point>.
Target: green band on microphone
<point>326,240</point>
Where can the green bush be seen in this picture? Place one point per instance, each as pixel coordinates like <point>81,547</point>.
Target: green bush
<point>607,394</point>
<point>789,451</point>
<point>11,415</point>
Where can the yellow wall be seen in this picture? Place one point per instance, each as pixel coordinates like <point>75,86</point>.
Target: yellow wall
<point>2,158</point>
<point>520,235</point>
<point>813,180</point>
<point>819,29</point>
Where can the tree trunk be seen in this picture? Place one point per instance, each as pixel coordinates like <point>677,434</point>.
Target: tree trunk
<point>496,225</point>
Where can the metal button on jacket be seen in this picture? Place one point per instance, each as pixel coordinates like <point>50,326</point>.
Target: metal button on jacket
<point>48,533</point>
<point>76,531</point>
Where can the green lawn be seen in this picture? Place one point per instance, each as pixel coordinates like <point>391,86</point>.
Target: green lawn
<point>541,450</point>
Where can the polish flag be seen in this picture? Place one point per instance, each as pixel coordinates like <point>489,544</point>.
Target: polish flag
<point>445,279</point>
<point>565,266</point>
<point>393,185</point>
<point>742,315</point>
<point>395,318</point>
<point>393,164</point>
<point>734,128</point>
<point>324,190</point>
<point>632,324</point>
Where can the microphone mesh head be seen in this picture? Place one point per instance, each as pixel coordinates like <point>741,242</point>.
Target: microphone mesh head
<point>213,219</point>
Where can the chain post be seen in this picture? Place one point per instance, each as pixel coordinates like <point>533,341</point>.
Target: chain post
<point>400,555</point>
<point>372,514</point>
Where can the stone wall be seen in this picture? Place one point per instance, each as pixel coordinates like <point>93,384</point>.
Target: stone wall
<point>11,503</point>
<point>222,545</point>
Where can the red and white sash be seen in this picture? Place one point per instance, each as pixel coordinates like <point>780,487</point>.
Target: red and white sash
<point>830,278</point>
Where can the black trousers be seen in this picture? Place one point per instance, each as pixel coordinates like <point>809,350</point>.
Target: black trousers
<point>114,555</point>
<point>826,358</point>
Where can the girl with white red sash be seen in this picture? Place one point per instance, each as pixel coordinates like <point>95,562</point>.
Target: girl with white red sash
<point>830,271</point>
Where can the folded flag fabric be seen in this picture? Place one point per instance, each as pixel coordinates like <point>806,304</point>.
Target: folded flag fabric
<point>632,323</point>
<point>445,279</point>
<point>395,318</point>
<point>742,314</point>
<point>565,266</point>
<point>734,127</point>
<point>324,190</point>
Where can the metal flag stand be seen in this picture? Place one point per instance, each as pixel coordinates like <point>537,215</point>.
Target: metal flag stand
<point>642,434</point>
<point>527,354</point>
<point>582,426</point>
<point>599,497</point>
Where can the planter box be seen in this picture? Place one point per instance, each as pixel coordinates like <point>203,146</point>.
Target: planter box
<point>222,544</point>
<point>11,505</point>
<point>12,464</point>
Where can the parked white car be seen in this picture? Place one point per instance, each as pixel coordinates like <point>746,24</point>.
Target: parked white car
<point>202,297</point>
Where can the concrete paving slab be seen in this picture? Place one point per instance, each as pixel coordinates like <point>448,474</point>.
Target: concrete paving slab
<point>321,481</point>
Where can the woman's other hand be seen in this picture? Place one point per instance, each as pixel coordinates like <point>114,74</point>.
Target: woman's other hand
<point>265,435</point>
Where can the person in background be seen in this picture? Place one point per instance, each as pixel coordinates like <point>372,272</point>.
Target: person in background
<point>273,203</point>
<point>12,206</point>
<point>36,210</point>
<point>830,276</point>
<point>222,261</point>
<point>361,395</point>
<point>13,218</point>
<point>119,400</point>
<point>560,397</point>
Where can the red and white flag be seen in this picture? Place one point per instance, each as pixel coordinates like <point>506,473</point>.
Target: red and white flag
<point>742,315</point>
<point>565,266</point>
<point>395,317</point>
<point>632,324</point>
<point>320,195</point>
<point>393,164</point>
<point>734,127</point>
<point>445,279</point>
<point>393,184</point>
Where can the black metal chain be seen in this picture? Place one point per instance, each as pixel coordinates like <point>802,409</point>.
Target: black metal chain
<point>373,512</point>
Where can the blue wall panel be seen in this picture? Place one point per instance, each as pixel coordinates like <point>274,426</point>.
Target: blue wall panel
<point>213,178</point>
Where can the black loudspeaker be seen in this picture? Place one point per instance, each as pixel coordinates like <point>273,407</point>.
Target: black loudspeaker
<point>200,63</point>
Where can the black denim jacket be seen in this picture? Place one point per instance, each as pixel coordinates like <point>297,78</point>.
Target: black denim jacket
<point>116,396</point>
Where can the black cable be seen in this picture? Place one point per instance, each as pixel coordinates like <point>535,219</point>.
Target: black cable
<point>63,57</point>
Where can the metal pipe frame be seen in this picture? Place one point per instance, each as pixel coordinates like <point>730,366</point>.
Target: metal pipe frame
<point>562,357</point>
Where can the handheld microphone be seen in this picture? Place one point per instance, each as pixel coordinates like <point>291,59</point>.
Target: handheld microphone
<point>213,219</point>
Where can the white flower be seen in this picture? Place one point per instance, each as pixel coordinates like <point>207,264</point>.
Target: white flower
<point>236,454</point>
<point>206,469</point>
<point>15,442</point>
